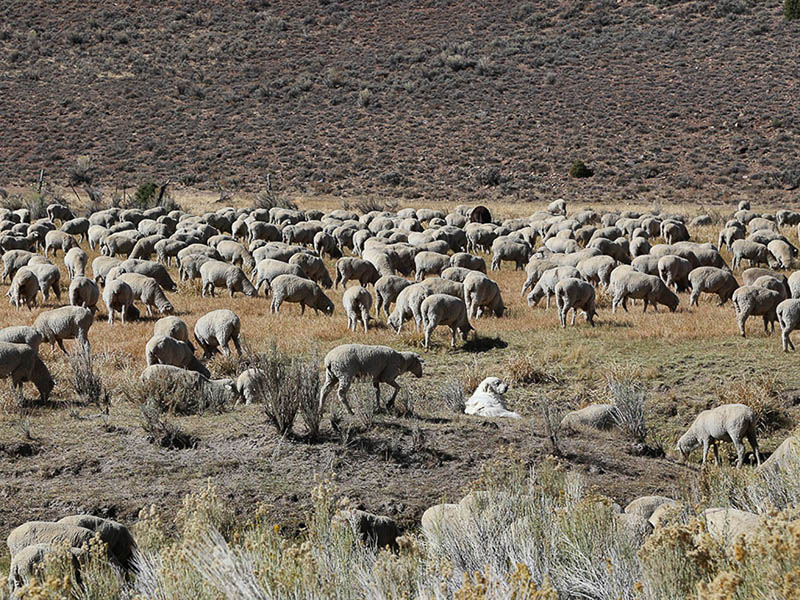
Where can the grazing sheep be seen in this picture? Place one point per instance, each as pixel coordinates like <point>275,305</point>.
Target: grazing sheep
<point>409,300</point>
<point>426,263</point>
<point>21,334</point>
<point>218,273</point>
<point>236,254</point>
<point>65,323</point>
<point>597,269</point>
<point>488,400</point>
<point>251,385</point>
<point>59,211</point>
<point>727,423</point>
<point>58,240</point>
<point>173,327</point>
<point>24,288</point>
<point>457,274</point>
<point>572,293</point>
<point>164,350</point>
<point>49,533</point>
<point>376,531</point>
<point>48,275</point>
<point>167,250</point>
<point>118,296</point>
<point>756,301</point>
<point>268,269</point>
<point>325,243</point>
<point>645,506</point>
<point>775,284</point>
<point>148,291</point>
<point>290,288</point>
<point>355,268</point>
<point>674,271</point>
<point>794,284</point>
<point>757,254</point>
<point>651,289</point>
<point>84,292</point>
<point>179,379</point>
<point>782,252</point>
<point>712,280</point>
<point>534,271</point>
<point>357,303</point>
<point>387,288</point>
<point>482,296</point>
<point>728,236</point>
<point>216,329</point>
<point>313,267</point>
<point>468,261</point>
<point>21,362</point>
<point>101,266</point>
<point>788,313</point>
<point>595,416</point>
<point>27,562</point>
<point>76,260</point>
<point>145,247</point>
<point>348,362</point>
<point>442,309</point>
<point>517,251</point>
<point>118,539</point>
<point>546,285</point>
<point>151,269</point>
<point>119,243</point>
<point>14,260</point>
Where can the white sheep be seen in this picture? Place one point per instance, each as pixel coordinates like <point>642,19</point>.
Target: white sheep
<point>756,301</point>
<point>546,286</point>
<point>443,309</point>
<point>268,269</point>
<point>788,313</point>
<point>727,423</point>
<point>426,263</point>
<point>597,269</point>
<point>488,400</point>
<point>313,267</point>
<point>507,249</point>
<point>76,260</point>
<point>290,288</point>
<point>164,350</point>
<point>173,327</point>
<point>175,377</point>
<point>218,273</point>
<point>216,329</point>
<point>24,288</point>
<point>712,280</point>
<point>21,362</point>
<point>575,294</point>
<point>482,296</point>
<point>357,303</point>
<point>632,284</point>
<point>118,296</point>
<point>84,292</point>
<point>151,269</point>
<point>387,288</point>
<point>674,271</point>
<point>101,266</point>
<point>148,291</point>
<point>21,334</point>
<point>347,362</point>
<point>65,323</point>
<point>251,385</point>
<point>355,268</point>
<point>58,240</point>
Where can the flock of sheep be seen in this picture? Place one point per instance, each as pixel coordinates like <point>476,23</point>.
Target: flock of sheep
<point>282,250</point>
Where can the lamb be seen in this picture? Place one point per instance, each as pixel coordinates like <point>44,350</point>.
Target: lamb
<point>488,400</point>
<point>58,240</point>
<point>173,327</point>
<point>216,329</point>
<point>290,288</point>
<point>426,263</point>
<point>482,295</point>
<point>21,334</point>
<point>313,267</point>
<point>250,385</point>
<point>347,362</point>
<point>651,289</point>
<point>357,302</point>
<point>182,380</point>
<point>76,260</point>
<point>468,261</point>
<point>118,296</point>
<point>21,362</point>
<point>148,291</point>
<point>442,309</point>
<point>151,269</point>
<point>755,300</point>
<point>597,269</point>
<point>757,254</point>
<point>164,350</point>
<point>215,272</point>
<point>727,423</point>
<point>674,271</point>
<point>572,293</point>
<point>711,280</point>
<point>101,266</point>
<point>387,288</point>
<point>47,532</point>
<point>517,251</point>
<point>84,292</point>
<point>65,323</point>
<point>24,288</point>
<point>268,269</point>
<point>788,313</point>
<point>355,268</point>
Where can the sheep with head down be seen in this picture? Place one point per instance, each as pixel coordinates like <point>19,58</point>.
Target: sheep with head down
<point>164,350</point>
<point>752,300</point>
<point>728,423</point>
<point>443,309</point>
<point>215,330</point>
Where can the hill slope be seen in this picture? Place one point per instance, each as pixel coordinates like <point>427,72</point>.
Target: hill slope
<point>438,98</point>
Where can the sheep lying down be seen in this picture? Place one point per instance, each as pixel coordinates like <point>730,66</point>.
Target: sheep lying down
<point>488,400</point>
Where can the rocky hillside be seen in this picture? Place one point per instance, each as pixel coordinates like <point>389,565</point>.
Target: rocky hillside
<point>427,98</point>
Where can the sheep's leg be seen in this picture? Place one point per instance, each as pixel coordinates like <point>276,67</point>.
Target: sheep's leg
<point>547,305</point>
<point>428,331</point>
<point>739,452</point>
<point>644,310</point>
<point>396,387</point>
<point>61,345</point>
<point>344,385</point>
<point>452,337</point>
<point>303,308</point>
<point>751,437</point>
<point>237,344</point>
<point>693,298</point>
<point>705,451</point>
<point>715,444</point>
<point>365,319</point>
<point>574,314</point>
<point>330,381</point>
<point>742,318</point>
<point>377,385</point>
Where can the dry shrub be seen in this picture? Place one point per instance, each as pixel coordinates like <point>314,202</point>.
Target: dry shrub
<point>175,397</point>
<point>451,395</point>
<point>762,395</point>
<point>628,398</point>
<point>85,381</point>
<point>471,376</point>
<point>526,369</point>
<point>162,432</point>
<point>368,205</point>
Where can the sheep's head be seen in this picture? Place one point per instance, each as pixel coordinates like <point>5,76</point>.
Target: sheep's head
<point>394,321</point>
<point>537,293</point>
<point>686,444</point>
<point>671,300</point>
<point>414,363</point>
<point>492,385</point>
<point>325,304</point>
<point>167,309</point>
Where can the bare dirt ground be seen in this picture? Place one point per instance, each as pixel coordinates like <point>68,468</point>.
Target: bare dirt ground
<point>82,461</point>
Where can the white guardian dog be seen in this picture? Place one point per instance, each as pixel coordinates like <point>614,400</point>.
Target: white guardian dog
<point>487,400</point>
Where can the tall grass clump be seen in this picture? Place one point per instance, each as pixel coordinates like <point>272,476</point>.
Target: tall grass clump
<point>85,380</point>
<point>628,398</point>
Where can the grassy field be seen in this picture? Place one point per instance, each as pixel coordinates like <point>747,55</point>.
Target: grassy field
<point>86,461</point>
